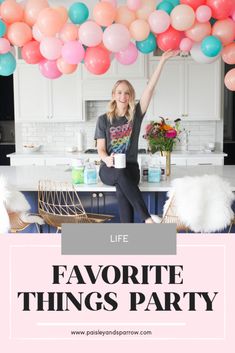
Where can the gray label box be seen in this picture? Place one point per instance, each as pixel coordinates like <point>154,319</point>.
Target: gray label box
<point>118,239</point>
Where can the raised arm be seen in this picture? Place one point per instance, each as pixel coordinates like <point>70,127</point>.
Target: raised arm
<point>148,92</point>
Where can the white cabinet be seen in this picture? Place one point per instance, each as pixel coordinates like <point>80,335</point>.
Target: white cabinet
<point>38,99</point>
<point>27,161</point>
<point>167,100</point>
<point>99,87</point>
<point>187,90</point>
<point>205,161</point>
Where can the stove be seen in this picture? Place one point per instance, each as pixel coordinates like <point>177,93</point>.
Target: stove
<point>91,151</point>
<point>94,151</point>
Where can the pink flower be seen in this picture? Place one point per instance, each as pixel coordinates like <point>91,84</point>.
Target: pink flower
<point>170,134</point>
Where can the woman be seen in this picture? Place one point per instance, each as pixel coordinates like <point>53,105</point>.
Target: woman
<point>118,131</point>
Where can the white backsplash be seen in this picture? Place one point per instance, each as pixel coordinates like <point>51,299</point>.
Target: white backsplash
<point>59,136</point>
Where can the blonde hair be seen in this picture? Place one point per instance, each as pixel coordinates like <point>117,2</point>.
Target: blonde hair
<point>112,105</point>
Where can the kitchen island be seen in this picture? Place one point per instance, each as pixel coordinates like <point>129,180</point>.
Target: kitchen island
<point>100,198</point>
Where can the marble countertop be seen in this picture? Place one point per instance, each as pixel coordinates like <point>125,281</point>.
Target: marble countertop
<point>175,154</point>
<point>25,178</point>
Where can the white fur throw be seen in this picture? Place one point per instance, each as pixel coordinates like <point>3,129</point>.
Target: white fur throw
<point>202,203</point>
<point>13,201</point>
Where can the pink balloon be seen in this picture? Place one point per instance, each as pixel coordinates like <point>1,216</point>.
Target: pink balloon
<point>203,13</point>
<point>229,80</point>
<point>90,34</point>
<point>127,56</point>
<point>50,48</point>
<point>64,67</point>
<point>37,34</point>
<point>228,54</point>
<point>116,37</point>
<point>233,15</point>
<point>139,29</point>
<point>69,32</point>
<point>186,44</point>
<point>73,52</point>
<point>49,69</point>
<point>159,21</point>
<point>224,30</point>
<point>134,5</point>
<point>97,60</point>
<point>4,46</point>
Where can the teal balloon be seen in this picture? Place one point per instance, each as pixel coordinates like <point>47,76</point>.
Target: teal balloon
<point>211,46</point>
<point>1,1</point>
<point>166,6</point>
<point>212,21</point>
<point>3,28</point>
<point>78,13</point>
<point>174,2</point>
<point>148,45</point>
<point>7,64</point>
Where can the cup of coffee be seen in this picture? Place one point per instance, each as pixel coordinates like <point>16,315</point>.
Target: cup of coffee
<point>120,160</point>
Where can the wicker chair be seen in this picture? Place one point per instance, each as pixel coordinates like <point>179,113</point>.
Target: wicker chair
<point>18,224</point>
<point>169,216</point>
<point>58,202</point>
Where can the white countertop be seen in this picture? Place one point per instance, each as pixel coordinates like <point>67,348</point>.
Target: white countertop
<point>25,178</point>
<point>175,154</point>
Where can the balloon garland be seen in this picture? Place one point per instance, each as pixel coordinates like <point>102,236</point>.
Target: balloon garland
<point>59,39</point>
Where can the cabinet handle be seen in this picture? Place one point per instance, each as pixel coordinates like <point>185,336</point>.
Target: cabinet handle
<point>94,195</point>
<point>101,195</point>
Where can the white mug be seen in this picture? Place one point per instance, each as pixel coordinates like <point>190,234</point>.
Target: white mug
<point>120,160</point>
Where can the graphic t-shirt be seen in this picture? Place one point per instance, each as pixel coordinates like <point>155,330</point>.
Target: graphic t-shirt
<point>121,136</point>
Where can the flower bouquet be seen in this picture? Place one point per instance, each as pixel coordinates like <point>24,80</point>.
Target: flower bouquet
<point>162,136</point>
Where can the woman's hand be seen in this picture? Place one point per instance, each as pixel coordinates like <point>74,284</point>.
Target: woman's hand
<point>109,160</point>
<point>169,54</point>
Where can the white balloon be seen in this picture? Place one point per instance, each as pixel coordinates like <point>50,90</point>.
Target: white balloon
<point>199,57</point>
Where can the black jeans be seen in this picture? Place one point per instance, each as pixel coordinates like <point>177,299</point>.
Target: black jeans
<point>128,194</point>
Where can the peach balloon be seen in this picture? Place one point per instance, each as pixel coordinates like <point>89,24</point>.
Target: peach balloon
<point>229,80</point>
<point>32,9</point>
<point>146,8</point>
<point>68,32</point>
<point>49,22</point>
<point>11,11</point>
<point>63,12</point>
<point>228,54</point>
<point>182,17</point>
<point>64,67</point>
<point>139,30</point>
<point>36,33</point>
<point>124,16</point>
<point>19,33</point>
<point>112,2</point>
<point>104,13</point>
<point>198,31</point>
<point>224,30</point>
